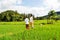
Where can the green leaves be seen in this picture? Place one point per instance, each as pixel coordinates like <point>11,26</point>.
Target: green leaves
<point>10,15</point>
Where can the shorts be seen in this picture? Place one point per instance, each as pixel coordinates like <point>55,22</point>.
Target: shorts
<point>27,26</point>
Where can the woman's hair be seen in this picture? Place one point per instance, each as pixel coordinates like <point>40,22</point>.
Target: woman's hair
<point>31,15</point>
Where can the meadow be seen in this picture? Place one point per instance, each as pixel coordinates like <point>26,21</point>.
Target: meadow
<point>17,31</point>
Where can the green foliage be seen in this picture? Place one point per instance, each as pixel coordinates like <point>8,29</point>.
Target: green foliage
<point>52,14</point>
<point>11,15</point>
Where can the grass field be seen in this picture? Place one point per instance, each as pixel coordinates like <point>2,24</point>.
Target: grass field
<point>17,31</point>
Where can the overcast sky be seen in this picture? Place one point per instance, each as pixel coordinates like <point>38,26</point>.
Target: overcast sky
<point>37,7</point>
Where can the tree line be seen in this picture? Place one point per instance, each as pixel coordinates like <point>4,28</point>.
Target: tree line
<point>11,15</point>
<point>52,14</point>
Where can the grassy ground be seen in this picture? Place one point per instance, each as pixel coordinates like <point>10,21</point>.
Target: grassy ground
<point>17,31</point>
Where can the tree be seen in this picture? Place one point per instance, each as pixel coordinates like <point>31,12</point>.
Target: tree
<point>9,15</point>
<point>52,15</point>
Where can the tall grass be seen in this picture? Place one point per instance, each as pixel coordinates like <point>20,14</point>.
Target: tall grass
<point>17,31</point>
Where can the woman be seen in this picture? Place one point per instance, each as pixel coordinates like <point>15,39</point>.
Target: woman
<point>27,23</point>
<point>31,21</point>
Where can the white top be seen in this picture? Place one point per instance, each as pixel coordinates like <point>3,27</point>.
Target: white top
<point>27,21</point>
<point>31,19</point>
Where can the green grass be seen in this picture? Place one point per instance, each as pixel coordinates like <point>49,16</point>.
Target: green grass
<point>17,31</point>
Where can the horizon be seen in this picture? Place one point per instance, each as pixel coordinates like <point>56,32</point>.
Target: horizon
<point>36,7</point>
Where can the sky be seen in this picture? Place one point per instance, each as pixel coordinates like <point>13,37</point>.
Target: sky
<point>36,7</point>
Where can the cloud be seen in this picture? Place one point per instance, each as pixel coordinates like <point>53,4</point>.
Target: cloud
<point>4,4</point>
<point>52,4</point>
<point>37,11</point>
<point>9,4</point>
